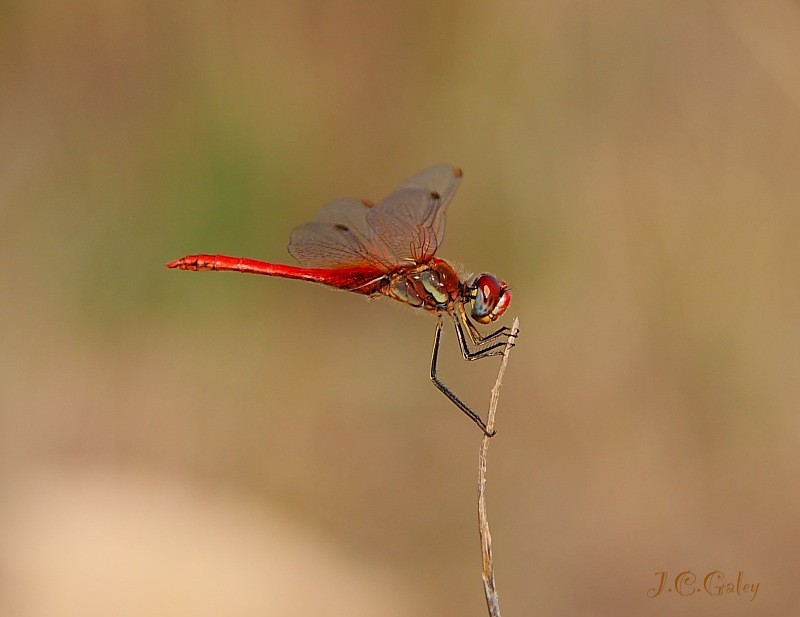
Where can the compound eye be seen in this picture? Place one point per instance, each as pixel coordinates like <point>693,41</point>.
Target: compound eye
<point>487,294</point>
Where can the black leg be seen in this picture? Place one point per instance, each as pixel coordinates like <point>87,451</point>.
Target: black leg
<point>444,389</point>
<point>469,354</point>
<point>477,337</point>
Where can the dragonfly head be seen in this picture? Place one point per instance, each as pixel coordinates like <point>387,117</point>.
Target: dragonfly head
<point>489,297</point>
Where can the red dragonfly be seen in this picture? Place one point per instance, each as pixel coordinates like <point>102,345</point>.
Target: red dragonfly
<point>389,249</point>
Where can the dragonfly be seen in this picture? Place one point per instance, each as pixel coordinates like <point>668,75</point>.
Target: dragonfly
<point>389,249</point>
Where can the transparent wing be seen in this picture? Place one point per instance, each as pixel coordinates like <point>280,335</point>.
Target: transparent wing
<point>410,220</point>
<point>442,179</point>
<point>347,211</point>
<point>407,225</point>
<point>339,237</point>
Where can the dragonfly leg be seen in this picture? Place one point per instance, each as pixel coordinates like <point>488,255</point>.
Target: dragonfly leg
<point>475,337</point>
<point>478,338</point>
<point>476,354</point>
<point>444,389</point>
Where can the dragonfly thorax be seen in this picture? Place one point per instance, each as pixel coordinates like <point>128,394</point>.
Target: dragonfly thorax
<point>433,286</point>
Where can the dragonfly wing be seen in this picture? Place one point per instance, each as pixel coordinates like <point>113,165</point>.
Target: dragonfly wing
<point>442,179</point>
<point>352,213</point>
<point>348,211</point>
<point>410,220</point>
<point>331,245</point>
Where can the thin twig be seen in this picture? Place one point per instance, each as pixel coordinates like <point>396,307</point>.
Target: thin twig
<point>487,573</point>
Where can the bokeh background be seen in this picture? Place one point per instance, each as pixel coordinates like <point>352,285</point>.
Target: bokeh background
<point>177,443</point>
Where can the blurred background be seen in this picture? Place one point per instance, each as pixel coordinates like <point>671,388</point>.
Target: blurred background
<point>177,443</point>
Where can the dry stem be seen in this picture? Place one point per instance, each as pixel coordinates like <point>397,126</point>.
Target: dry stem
<point>486,537</point>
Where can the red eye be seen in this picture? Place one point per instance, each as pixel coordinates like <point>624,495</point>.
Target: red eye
<point>505,300</point>
<point>490,298</point>
<point>487,294</point>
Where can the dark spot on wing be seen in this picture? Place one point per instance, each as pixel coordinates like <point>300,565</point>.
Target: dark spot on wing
<point>341,227</point>
<point>435,195</point>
